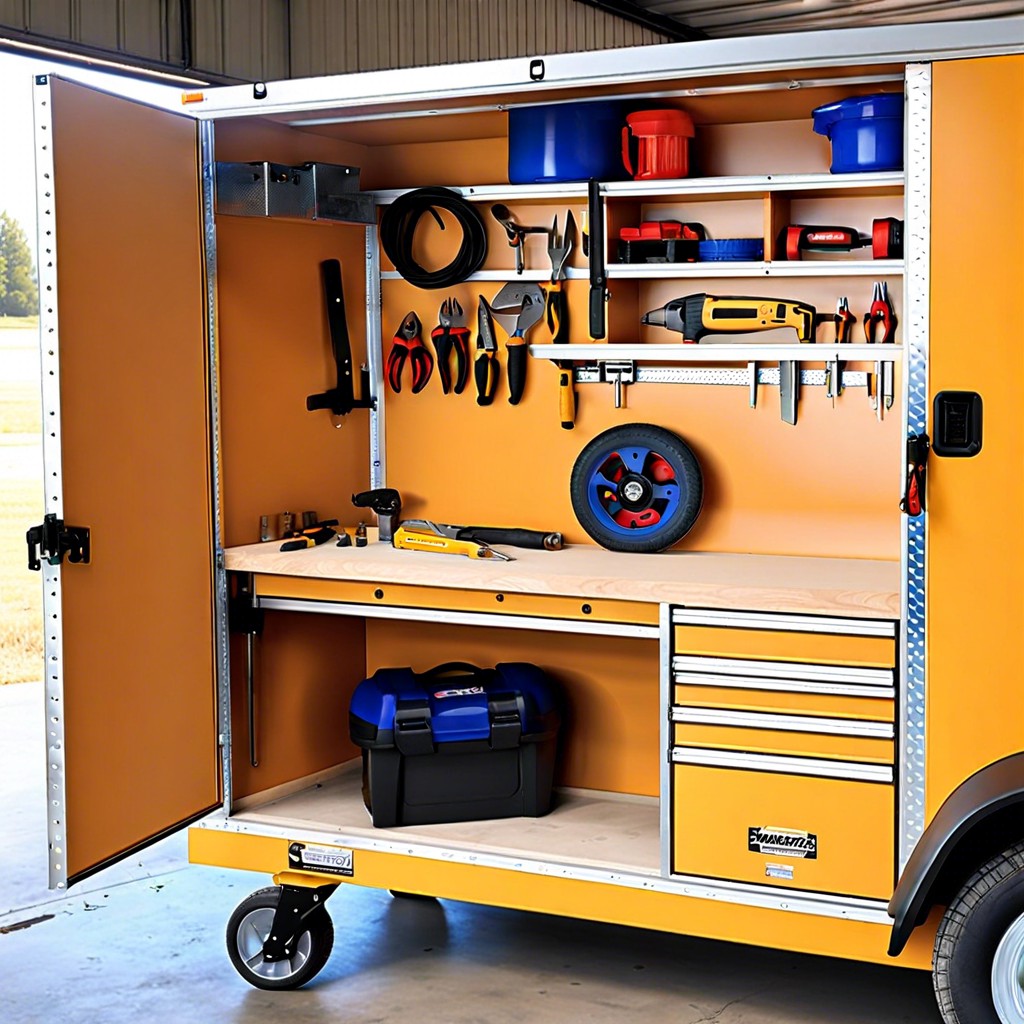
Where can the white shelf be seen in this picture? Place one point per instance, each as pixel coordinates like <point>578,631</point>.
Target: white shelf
<point>507,274</point>
<point>574,190</point>
<point>756,184</point>
<point>779,268</point>
<point>670,271</point>
<point>723,352</point>
<point>752,184</point>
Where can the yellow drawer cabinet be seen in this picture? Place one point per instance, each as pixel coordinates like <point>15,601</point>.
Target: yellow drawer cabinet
<point>782,732</point>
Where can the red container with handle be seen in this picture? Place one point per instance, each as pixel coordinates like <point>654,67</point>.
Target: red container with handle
<point>656,144</point>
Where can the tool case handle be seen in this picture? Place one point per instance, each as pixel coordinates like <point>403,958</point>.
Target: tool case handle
<point>453,668</point>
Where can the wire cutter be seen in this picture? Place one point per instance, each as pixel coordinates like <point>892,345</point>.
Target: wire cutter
<point>844,321</point>
<point>408,345</point>
<point>881,312</point>
<point>557,314</point>
<point>451,334</point>
<point>486,369</point>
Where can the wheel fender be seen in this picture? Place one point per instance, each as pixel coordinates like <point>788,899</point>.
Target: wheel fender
<point>988,792</point>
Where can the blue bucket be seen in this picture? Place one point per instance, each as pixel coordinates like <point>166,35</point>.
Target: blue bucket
<point>566,142</point>
<point>866,132</point>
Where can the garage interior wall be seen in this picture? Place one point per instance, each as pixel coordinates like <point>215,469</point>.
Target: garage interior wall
<point>274,39</point>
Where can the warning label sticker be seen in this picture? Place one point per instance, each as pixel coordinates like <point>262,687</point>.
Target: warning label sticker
<point>782,842</point>
<point>331,860</point>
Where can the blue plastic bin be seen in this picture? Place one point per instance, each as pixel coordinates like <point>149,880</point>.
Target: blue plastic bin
<point>731,250</point>
<point>866,132</point>
<point>566,142</point>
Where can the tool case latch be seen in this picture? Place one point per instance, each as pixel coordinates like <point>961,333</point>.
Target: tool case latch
<point>52,540</point>
<point>503,710</point>
<point>413,734</point>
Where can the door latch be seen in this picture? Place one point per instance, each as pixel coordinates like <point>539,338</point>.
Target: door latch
<point>53,540</point>
<point>917,466</point>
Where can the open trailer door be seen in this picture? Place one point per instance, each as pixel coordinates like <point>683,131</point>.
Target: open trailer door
<point>131,718</point>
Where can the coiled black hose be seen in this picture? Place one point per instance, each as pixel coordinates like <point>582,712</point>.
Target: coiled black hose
<point>398,225</point>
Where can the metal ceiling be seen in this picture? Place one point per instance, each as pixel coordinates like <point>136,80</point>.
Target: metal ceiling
<point>720,18</point>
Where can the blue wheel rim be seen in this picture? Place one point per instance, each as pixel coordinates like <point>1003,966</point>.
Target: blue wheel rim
<point>666,500</point>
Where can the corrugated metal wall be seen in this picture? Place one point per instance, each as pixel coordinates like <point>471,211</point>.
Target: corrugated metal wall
<point>149,31</point>
<point>273,39</point>
<point>361,35</point>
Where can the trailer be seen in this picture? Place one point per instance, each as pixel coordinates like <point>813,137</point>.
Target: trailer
<point>796,727</point>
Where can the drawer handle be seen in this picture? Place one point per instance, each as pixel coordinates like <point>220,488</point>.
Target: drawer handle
<point>784,623</point>
<point>813,766</point>
<point>782,670</point>
<point>783,722</point>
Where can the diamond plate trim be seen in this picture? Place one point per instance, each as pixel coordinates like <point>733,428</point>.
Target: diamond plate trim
<point>53,495</point>
<point>917,160</point>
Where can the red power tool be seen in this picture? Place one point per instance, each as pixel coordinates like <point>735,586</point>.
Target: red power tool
<point>886,239</point>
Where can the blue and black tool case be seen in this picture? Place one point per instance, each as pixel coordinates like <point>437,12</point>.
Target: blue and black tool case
<point>457,743</point>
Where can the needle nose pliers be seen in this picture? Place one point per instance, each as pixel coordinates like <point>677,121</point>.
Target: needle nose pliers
<point>408,346</point>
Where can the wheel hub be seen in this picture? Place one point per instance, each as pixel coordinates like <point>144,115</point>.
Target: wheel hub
<point>1008,975</point>
<point>635,492</point>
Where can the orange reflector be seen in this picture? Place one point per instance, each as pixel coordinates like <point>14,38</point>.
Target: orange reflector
<point>192,97</point>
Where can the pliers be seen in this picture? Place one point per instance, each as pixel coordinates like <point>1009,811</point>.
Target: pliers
<point>881,312</point>
<point>408,344</point>
<point>844,321</point>
<point>451,333</point>
<point>557,314</point>
<point>486,369</point>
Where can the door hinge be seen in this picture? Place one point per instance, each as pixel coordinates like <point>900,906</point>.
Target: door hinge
<point>53,540</point>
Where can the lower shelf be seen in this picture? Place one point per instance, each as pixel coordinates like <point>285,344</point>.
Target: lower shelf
<point>585,827</point>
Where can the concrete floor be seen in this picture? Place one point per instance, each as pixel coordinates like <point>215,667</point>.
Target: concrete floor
<point>145,941</point>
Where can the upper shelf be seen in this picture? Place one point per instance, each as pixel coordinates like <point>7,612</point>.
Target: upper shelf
<point>652,271</point>
<point>746,186</point>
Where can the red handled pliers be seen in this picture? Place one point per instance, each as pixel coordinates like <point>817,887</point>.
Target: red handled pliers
<point>408,345</point>
<point>881,312</point>
<point>452,334</point>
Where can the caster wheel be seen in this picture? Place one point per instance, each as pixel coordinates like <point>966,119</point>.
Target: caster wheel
<point>249,927</point>
<point>636,488</point>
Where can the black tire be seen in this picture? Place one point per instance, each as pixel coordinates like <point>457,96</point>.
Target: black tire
<point>676,515</point>
<point>989,908</point>
<point>248,928</point>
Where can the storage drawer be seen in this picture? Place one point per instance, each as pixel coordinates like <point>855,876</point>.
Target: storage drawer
<point>840,705</point>
<point>813,639</point>
<point>832,835</point>
<point>797,735</point>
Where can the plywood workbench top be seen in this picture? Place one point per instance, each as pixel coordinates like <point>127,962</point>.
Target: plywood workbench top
<point>772,583</point>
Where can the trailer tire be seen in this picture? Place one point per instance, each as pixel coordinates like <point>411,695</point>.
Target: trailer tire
<point>248,928</point>
<point>979,948</point>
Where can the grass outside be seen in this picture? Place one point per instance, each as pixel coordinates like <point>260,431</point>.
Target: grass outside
<point>21,502</point>
<point>21,642</point>
<point>20,412</point>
